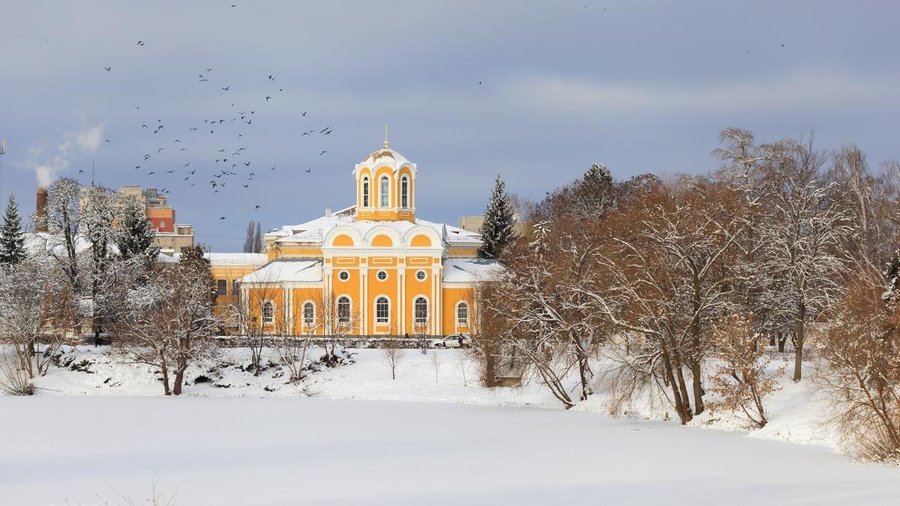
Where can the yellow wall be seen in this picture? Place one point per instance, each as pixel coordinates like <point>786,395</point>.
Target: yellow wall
<point>451,297</point>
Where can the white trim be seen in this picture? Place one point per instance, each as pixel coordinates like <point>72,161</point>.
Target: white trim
<point>428,310</point>
<point>375,309</point>
<point>382,195</point>
<point>305,325</point>
<point>337,309</point>
<point>467,323</point>
<point>405,179</point>
<point>341,274</point>
<point>379,273</point>
<point>262,311</point>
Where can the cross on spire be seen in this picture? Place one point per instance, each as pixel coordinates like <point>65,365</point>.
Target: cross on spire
<point>385,135</point>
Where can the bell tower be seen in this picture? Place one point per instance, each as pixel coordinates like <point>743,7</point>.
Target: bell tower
<point>385,186</point>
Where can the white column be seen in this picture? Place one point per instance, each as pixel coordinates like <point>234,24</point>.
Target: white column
<point>363,303</point>
<point>401,296</point>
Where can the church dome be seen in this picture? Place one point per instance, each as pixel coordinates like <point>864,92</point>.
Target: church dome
<point>387,156</point>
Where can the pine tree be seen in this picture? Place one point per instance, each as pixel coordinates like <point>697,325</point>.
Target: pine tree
<point>12,241</point>
<point>497,230</point>
<point>136,234</point>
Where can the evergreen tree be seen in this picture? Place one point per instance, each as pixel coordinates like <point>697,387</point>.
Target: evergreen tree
<point>136,234</point>
<point>497,230</point>
<point>192,257</point>
<point>12,241</point>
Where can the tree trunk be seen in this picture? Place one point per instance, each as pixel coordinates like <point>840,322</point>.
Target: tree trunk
<point>179,380</point>
<point>696,353</point>
<point>798,345</point>
<point>165,377</point>
<point>782,340</point>
<point>684,413</point>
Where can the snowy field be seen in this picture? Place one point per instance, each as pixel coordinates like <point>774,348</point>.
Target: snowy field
<point>99,432</point>
<point>314,451</point>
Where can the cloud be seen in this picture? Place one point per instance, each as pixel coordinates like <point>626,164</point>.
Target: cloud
<point>799,91</point>
<point>47,164</point>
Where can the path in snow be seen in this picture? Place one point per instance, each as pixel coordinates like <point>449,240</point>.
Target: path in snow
<point>314,451</point>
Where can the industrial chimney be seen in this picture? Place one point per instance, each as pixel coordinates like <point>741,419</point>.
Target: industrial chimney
<point>40,210</point>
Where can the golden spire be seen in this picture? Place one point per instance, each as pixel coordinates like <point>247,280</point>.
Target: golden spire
<point>385,136</point>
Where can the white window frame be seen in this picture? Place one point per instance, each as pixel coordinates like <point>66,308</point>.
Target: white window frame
<point>378,275</point>
<point>308,322</point>
<point>404,192</point>
<point>421,275</point>
<point>384,191</point>
<point>337,310</point>
<point>365,191</point>
<point>267,320</point>
<point>416,320</point>
<point>341,276</point>
<point>383,320</point>
<point>462,322</point>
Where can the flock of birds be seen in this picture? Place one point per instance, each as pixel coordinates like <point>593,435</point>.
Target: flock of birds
<point>230,165</point>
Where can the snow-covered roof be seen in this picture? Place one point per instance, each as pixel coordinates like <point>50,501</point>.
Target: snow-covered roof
<point>385,154</point>
<point>39,243</point>
<point>225,258</point>
<point>286,269</point>
<point>236,258</point>
<point>470,270</point>
<point>314,232</point>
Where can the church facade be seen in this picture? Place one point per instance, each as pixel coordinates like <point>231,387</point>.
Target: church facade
<point>372,269</point>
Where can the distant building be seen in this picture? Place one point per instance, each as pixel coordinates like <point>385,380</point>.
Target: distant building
<point>171,237</point>
<point>374,268</point>
<point>473,223</point>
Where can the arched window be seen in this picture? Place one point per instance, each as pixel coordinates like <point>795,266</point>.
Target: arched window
<point>462,315</point>
<point>421,311</point>
<point>309,314</point>
<point>384,188</point>
<point>382,310</point>
<point>268,312</point>
<point>404,191</point>
<point>365,192</point>
<point>343,310</point>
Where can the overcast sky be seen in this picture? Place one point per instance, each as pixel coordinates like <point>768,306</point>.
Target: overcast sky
<point>534,91</point>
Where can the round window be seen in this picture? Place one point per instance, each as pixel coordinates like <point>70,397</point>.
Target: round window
<point>344,275</point>
<point>421,275</point>
<point>382,275</point>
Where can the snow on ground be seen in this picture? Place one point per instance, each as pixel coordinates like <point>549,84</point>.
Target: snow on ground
<point>95,450</point>
<point>341,437</point>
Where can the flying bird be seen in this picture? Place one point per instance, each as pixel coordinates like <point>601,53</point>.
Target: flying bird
<point>226,88</point>
<point>110,68</point>
<point>257,206</point>
<point>308,171</point>
<point>271,77</point>
<point>322,153</point>
<point>267,99</point>
<point>140,43</point>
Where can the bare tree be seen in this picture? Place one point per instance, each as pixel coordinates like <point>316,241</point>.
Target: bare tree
<point>861,351</point>
<point>741,379</point>
<point>166,323</point>
<point>253,243</point>
<point>37,306</point>
<point>804,227</point>
<point>544,301</point>
<point>63,219</point>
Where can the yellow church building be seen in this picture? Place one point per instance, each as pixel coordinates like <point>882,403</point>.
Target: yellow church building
<point>372,269</point>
